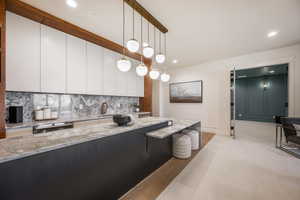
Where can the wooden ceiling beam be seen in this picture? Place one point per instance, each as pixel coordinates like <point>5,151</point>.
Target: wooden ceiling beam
<point>142,11</point>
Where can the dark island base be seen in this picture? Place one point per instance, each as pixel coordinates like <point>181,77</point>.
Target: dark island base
<point>105,168</point>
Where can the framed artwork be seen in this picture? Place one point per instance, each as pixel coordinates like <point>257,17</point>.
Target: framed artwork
<point>186,92</point>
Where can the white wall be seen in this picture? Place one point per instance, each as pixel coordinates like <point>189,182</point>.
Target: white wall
<point>214,112</point>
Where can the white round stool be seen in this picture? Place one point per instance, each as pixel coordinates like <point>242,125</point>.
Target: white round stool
<point>182,146</point>
<point>194,135</point>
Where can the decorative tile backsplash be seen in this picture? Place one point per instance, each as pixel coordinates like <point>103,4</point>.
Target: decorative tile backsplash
<point>69,105</point>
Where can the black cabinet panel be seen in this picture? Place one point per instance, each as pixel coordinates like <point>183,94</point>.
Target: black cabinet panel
<point>160,151</point>
<point>105,168</point>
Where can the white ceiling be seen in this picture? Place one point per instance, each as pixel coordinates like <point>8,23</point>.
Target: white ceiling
<point>199,30</point>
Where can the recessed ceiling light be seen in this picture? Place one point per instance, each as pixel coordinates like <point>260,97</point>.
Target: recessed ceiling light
<point>71,3</point>
<point>272,71</point>
<point>272,34</point>
<point>242,76</point>
<point>175,61</point>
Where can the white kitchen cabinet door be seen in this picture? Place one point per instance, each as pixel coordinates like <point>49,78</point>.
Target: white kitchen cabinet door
<point>94,69</point>
<point>53,68</point>
<point>23,54</point>
<point>132,82</point>
<point>140,86</point>
<point>110,85</point>
<point>122,79</point>
<point>76,65</point>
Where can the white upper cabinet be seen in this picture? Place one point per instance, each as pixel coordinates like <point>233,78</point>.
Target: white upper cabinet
<point>53,60</point>
<point>132,83</point>
<point>94,69</point>
<point>23,54</point>
<point>76,65</point>
<point>110,73</point>
<point>121,78</point>
<point>135,82</point>
<point>42,59</point>
<point>122,81</point>
<point>140,86</point>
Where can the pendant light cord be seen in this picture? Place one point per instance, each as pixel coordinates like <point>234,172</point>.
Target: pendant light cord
<point>154,36</point>
<point>159,42</point>
<point>154,46</point>
<point>123,28</point>
<point>165,51</point>
<point>141,38</point>
<point>133,23</point>
<point>148,35</point>
<point>166,44</point>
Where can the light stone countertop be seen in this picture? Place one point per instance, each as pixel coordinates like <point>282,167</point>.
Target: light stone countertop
<point>22,146</point>
<point>178,125</point>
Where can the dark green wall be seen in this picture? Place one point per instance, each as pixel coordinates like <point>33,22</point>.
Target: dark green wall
<point>256,103</point>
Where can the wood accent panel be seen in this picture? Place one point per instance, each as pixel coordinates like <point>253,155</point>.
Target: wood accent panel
<point>140,9</point>
<point>2,69</point>
<point>28,11</point>
<point>146,101</point>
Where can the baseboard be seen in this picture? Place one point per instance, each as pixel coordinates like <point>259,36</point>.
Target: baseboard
<point>214,130</point>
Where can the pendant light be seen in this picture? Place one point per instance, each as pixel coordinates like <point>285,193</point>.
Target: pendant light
<point>154,73</point>
<point>132,44</point>
<point>164,76</point>
<point>123,64</point>
<point>160,57</point>
<point>141,69</point>
<point>148,51</point>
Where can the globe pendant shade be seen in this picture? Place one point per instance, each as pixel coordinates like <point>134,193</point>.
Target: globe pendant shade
<point>160,58</point>
<point>154,74</point>
<point>124,65</point>
<point>148,51</point>
<point>141,70</point>
<point>165,77</point>
<point>133,45</point>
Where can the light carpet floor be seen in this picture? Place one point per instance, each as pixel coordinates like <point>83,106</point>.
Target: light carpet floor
<point>241,169</point>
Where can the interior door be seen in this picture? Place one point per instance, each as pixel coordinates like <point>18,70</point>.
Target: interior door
<point>232,102</point>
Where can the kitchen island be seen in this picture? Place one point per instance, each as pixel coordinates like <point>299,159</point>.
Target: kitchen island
<point>100,161</point>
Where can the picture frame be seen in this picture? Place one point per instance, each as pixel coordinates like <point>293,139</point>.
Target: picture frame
<point>186,92</point>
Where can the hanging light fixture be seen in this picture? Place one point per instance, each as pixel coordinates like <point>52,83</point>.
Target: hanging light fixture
<point>148,51</point>
<point>123,64</point>
<point>160,57</point>
<point>132,44</point>
<point>154,73</point>
<point>165,77</point>
<point>141,69</point>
